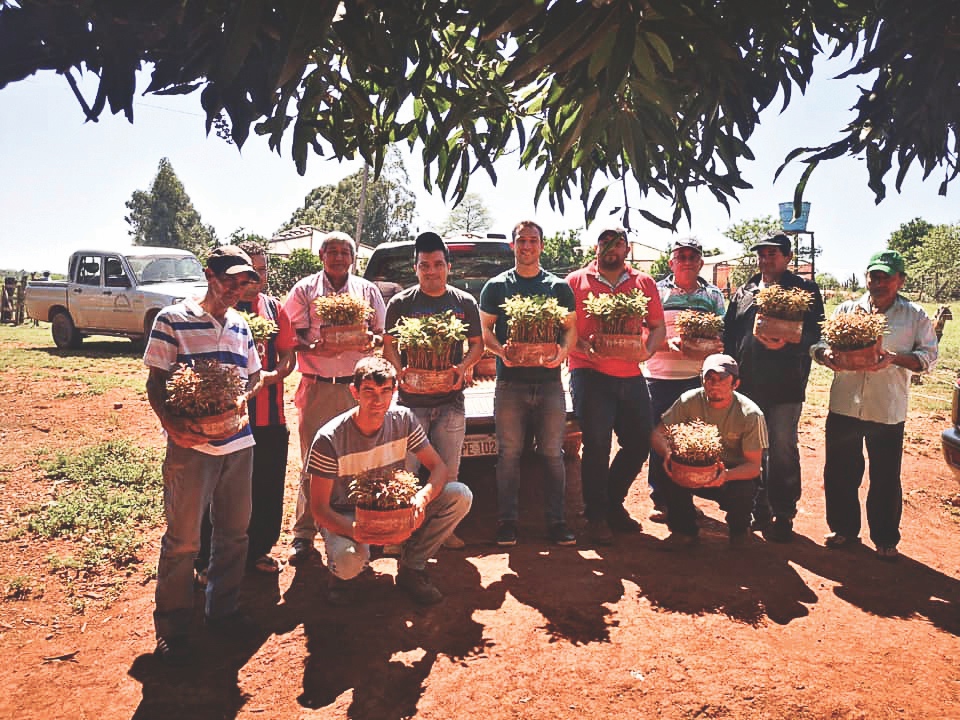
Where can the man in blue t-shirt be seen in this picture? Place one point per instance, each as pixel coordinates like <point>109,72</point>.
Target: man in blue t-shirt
<point>528,397</point>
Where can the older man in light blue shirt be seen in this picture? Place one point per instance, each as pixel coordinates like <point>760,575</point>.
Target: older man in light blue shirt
<point>870,407</point>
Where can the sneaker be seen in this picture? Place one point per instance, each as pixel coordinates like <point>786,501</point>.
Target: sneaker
<point>200,577</point>
<point>417,585</point>
<point>452,542</point>
<point>620,521</point>
<point>266,565</point>
<point>599,532</point>
<point>835,541</point>
<point>506,534</point>
<point>888,553</point>
<point>679,541</point>
<point>300,551</point>
<point>174,650</point>
<point>560,534</point>
<point>779,531</point>
<point>235,624</point>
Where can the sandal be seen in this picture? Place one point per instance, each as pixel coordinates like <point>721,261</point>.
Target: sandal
<point>266,564</point>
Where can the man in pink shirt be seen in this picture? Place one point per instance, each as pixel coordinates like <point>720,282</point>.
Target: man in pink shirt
<point>610,395</point>
<point>326,375</point>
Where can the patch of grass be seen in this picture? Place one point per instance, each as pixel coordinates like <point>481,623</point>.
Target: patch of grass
<point>106,493</point>
<point>26,346</point>
<point>17,588</point>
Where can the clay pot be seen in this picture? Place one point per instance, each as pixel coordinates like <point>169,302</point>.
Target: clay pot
<point>428,382</point>
<point>621,347</point>
<point>777,329</point>
<point>855,360</point>
<point>217,427</point>
<point>344,337</point>
<point>487,367</point>
<point>530,354</point>
<point>693,476</point>
<point>383,527</point>
<point>696,348</point>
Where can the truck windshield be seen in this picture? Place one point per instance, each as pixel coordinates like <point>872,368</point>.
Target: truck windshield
<point>165,268</point>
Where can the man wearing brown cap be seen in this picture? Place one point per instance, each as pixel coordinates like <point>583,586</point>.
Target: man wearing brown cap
<point>744,436</point>
<point>773,373</point>
<point>200,472</point>
<point>869,407</point>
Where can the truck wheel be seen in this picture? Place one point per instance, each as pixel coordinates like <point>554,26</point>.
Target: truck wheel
<point>65,335</point>
<point>140,342</point>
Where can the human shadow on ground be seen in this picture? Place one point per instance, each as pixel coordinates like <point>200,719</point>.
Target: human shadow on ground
<point>100,348</point>
<point>207,687</point>
<point>902,589</point>
<point>375,655</point>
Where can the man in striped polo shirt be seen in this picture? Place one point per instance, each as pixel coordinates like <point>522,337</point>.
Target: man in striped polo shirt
<point>199,472</point>
<point>268,424</point>
<point>375,436</point>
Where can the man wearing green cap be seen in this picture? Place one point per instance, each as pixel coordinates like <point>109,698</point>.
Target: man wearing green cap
<point>870,407</point>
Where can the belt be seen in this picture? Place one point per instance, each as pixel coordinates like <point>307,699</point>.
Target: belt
<point>343,380</point>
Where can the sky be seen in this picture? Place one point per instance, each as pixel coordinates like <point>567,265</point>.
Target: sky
<point>64,182</point>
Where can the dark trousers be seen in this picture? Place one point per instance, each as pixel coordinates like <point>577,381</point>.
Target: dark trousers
<point>663,393</point>
<point>269,474</point>
<point>843,475</point>
<point>604,405</point>
<point>735,499</point>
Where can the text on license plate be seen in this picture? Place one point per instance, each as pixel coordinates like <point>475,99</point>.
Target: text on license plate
<point>479,446</point>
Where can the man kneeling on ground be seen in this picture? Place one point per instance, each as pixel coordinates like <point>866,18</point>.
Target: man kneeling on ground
<point>376,436</point>
<point>743,433</point>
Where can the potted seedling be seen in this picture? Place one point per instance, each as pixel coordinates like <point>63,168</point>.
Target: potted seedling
<point>262,329</point>
<point>695,456</point>
<point>534,323</point>
<point>344,322</point>
<point>428,343</point>
<point>384,506</point>
<point>854,339</point>
<point>622,332</point>
<point>780,313</point>
<point>700,333</point>
<point>208,394</point>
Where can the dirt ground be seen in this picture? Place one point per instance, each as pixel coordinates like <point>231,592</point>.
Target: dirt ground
<point>766,631</point>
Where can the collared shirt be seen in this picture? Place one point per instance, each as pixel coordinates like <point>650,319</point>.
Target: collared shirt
<point>303,316</point>
<point>186,332</point>
<point>589,280</point>
<point>705,297</point>
<point>266,407</point>
<point>882,396</point>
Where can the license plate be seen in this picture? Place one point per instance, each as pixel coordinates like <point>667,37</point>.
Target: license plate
<point>479,446</point>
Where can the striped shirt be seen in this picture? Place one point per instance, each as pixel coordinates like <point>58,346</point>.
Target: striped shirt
<point>266,407</point>
<point>340,451</point>
<point>186,332</point>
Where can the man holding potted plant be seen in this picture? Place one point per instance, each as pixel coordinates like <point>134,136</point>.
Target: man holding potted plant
<point>670,373</point>
<point>773,373</point>
<point>870,407</point>
<point>528,397</point>
<point>326,374</point>
<point>375,437</point>
<point>200,472</point>
<point>609,394</point>
<point>743,433</point>
<point>441,415</point>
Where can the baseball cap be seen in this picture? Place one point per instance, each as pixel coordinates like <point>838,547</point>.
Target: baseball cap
<point>616,230</point>
<point>778,241</point>
<point>888,261</point>
<point>689,242</point>
<point>723,364</point>
<point>230,260</point>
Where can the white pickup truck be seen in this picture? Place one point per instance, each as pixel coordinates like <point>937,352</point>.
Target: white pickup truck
<point>114,292</point>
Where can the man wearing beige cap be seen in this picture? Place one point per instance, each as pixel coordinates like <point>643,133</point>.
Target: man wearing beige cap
<point>743,433</point>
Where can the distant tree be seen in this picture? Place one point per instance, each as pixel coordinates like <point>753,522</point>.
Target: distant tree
<point>660,267</point>
<point>747,233</point>
<point>826,281</point>
<point>390,206</point>
<point>470,216</point>
<point>936,263</point>
<point>285,272</point>
<point>852,283</point>
<point>909,237</point>
<point>164,216</point>
<point>562,252</point>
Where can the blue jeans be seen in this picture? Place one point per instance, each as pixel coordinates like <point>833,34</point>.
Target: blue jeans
<point>445,426</point>
<point>663,393</point>
<point>193,481</point>
<point>843,475</point>
<point>605,404</point>
<point>346,558</point>
<point>519,407</point>
<point>780,480</point>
